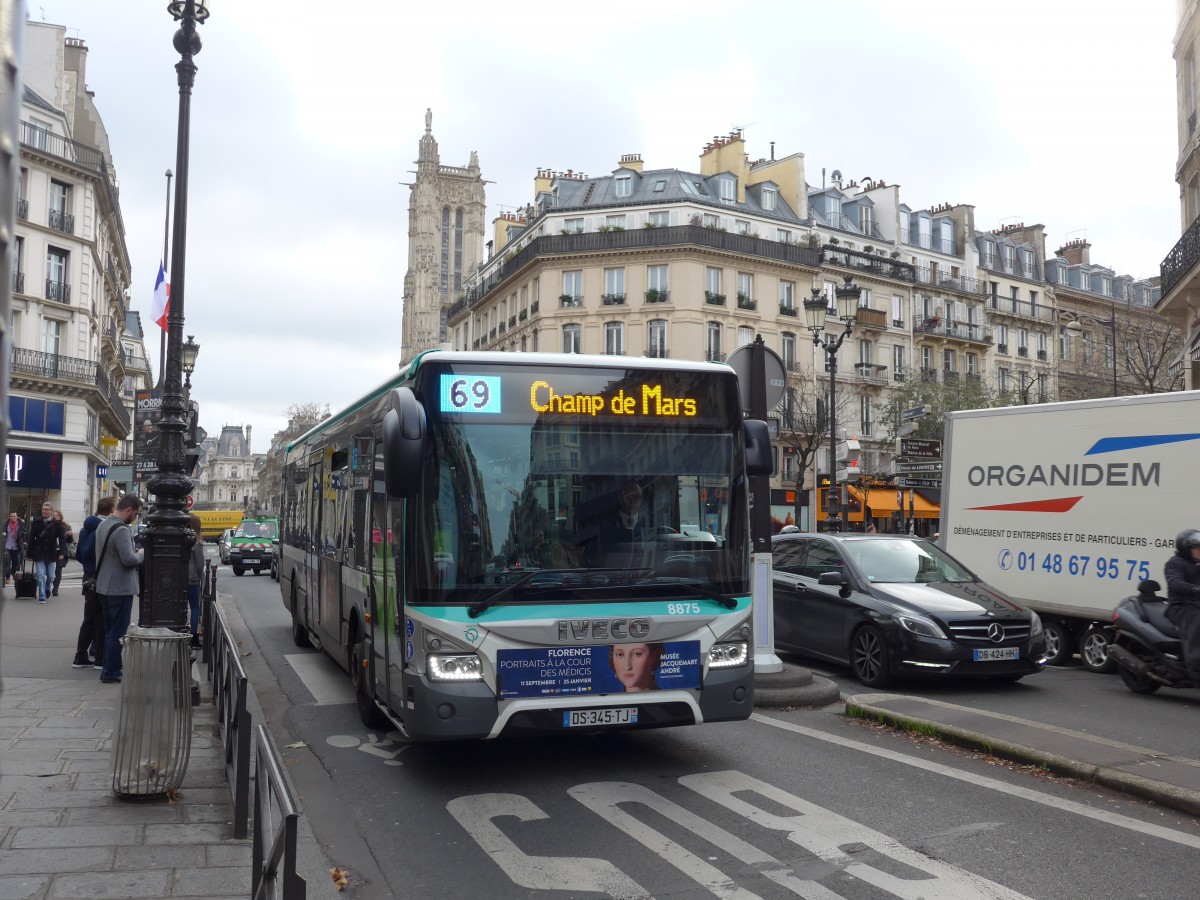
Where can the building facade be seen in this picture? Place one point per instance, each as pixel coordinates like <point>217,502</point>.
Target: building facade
<point>70,277</point>
<point>229,474</point>
<point>446,223</point>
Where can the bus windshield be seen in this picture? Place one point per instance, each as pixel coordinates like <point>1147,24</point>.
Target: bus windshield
<point>579,504</point>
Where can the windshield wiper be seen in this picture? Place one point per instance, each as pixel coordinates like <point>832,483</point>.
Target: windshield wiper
<point>495,598</point>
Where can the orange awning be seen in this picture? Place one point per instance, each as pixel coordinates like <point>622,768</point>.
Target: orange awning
<point>882,502</point>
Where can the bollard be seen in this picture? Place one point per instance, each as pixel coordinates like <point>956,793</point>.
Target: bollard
<point>153,739</point>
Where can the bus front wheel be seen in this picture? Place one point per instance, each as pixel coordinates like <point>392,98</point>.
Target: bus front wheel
<point>367,710</point>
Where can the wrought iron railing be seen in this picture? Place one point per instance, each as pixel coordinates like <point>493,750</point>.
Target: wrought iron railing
<point>22,208</point>
<point>835,254</point>
<point>58,290</point>
<point>962,283</point>
<point>18,283</point>
<point>70,368</point>
<point>61,221</point>
<point>1182,258</point>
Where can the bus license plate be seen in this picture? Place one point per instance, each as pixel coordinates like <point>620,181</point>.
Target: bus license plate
<point>620,715</point>
<point>989,654</point>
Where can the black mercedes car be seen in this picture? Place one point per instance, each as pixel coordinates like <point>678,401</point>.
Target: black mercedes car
<point>892,606</point>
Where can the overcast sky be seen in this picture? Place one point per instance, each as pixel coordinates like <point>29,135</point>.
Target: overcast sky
<point>306,117</point>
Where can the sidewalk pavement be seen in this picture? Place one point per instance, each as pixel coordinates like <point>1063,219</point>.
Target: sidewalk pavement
<point>1171,781</point>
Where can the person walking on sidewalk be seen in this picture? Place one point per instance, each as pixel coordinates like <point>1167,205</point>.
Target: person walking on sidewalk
<point>91,630</point>
<point>68,540</point>
<point>47,545</point>
<point>117,563</point>
<point>195,573</point>
<point>14,540</point>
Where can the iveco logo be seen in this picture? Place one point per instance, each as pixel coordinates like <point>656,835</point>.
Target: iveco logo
<point>995,632</point>
<point>602,629</point>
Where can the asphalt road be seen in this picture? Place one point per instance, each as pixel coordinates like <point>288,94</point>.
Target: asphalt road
<point>798,803</point>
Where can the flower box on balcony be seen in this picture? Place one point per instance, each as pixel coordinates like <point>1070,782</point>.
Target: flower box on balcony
<point>745,302</point>
<point>570,300</point>
<point>786,310</point>
<point>612,299</point>
<point>656,296</point>
<point>714,298</point>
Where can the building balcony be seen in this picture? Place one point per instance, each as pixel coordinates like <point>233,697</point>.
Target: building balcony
<point>53,373</point>
<point>744,301</point>
<point>656,296</point>
<point>1022,351</point>
<point>871,318</point>
<point>959,331</point>
<point>963,284</point>
<point>836,255</point>
<point>714,356</point>
<point>714,298</point>
<point>570,300</point>
<point>872,373</point>
<point>1020,308</point>
<point>22,208</point>
<point>657,353</point>
<point>523,315</point>
<point>612,299</point>
<point>786,309</point>
<point>512,321</point>
<point>59,291</point>
<point>18,282</point>
<point>61,221</point>
<point>1182,259</point>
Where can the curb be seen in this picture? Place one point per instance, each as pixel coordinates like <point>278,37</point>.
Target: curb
<point>795,686</point>
<point>1166,794</point>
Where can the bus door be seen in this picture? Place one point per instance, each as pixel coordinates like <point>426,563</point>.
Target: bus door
<point>387,628</point>
<point>336,479</point>
<point>312,588</point>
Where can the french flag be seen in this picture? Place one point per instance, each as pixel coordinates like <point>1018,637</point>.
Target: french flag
<point>161,303</point>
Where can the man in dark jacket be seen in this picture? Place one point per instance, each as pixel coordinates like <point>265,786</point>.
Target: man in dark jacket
<point>91,631</point>
<point>47,545</point>
<point>1183,591</point>
<point>117,567</point>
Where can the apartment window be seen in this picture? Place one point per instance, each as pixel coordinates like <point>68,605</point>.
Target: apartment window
<point>745,335</point>
<point>37,134</point>
<point>835,210</point>
<point>728,189</point>
<point>573,226</point>
<point>614,282</point>
<point>972,363</point>
<point>573,284</point>
<point>56,275</point>
<point>866,352</point>
<point>787,350</point>
<point>1010,258</point>
<point>926,358</point>
<point>1003,376</point>
<point>1043,345</point>
<point>1033,300</point>
<point>660,185</point>
<point>864,298</point>
<point>741,226</point>
<point>948,360</point>
<point>1002,338</point>
<point>768,199</point>
<point>624,185</point>
<point>37,416</point>
<point>787,294</point>
<point>1023,341</point>
<point>1106,286</point>
<point>614,338</point>
<point>783,236</point>
<point>713,334</point>
<point>898,358</point>
<point>712,280</point>
<point>659,219</point>
<point>60,207</point>
<point>1027,263</point>
<point>656,278</point>
<point>866,423</point>
<point>51,336</point>
<point>612,222</point>
<point>18,259</point>
<point>897,311</point>
<point>745,283</point>
<point>1088,350</point>
<point>572,338</point>
<point>657,331</point>
<point>989,255</point>
<point>711,221</point>
<point>866,219</point>
<point>1014,294</point>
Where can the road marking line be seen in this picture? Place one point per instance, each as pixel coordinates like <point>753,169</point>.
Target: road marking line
<point>328,684</point>
<point>1071,806</point>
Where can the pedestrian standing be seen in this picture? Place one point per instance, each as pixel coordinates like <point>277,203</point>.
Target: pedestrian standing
<point>117,564</point>
<point>68,540</point>
<point>89,649</point>
<point>14,540</point>
<point>195,573</point>
<point>46,548</point>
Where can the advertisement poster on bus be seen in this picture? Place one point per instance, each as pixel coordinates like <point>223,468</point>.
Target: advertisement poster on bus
<point>620,668</point>
<point>147,412</point>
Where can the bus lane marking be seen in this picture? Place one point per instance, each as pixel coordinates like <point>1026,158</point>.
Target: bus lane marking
<point>825,833</point>
<point>475,813</point>
<point>1057,803</point>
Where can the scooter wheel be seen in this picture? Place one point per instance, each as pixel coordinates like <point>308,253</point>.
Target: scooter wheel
<point>1137,683</point>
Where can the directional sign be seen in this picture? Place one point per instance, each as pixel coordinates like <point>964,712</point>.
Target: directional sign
<point>915,413</point>
<point>919,467</point>
<point>919,482</point>
<point>916,448</point>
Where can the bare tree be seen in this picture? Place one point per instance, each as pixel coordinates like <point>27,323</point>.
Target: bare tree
<point>804,426</point>
<point>1145,346</point>
<point>300,418</point>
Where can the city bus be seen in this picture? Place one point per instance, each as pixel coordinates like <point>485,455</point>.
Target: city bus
<point>517,543</point>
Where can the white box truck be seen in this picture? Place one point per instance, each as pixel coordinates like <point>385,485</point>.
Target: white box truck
<point>1067,506</point>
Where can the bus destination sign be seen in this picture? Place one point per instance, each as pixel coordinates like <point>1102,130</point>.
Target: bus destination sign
<point>461,393</point>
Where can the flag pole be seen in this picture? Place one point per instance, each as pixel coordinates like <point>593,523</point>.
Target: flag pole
<point>162,343</point>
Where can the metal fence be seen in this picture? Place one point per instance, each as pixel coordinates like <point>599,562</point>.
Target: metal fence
<point>233,719</point>
<point>276,819</point>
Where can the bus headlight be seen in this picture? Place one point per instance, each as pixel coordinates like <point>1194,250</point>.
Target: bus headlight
<point>454,667</point>
<point>728,654</point>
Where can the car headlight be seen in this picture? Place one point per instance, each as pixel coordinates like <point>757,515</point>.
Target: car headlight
<point>455,667</point>
<point>1035,623</point>
<point>728,655</point>
<point>919,625</point>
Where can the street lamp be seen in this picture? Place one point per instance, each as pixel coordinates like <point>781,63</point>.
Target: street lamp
<point>1074,325</point>
<point>816,311</point>
<point>188,354</point>
<point>168,539</point>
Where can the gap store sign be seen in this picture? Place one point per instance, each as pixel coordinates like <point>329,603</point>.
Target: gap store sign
<point>33,469</point>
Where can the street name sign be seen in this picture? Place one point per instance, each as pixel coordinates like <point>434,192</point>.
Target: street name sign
<point>919,467</point>
<point>919,482</point>
<point>915,413</point>
<point>917,448</point>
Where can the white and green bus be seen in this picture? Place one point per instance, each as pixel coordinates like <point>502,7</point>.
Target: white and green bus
<point>467,542</point>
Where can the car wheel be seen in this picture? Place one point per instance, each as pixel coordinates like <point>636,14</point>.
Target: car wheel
<point>238,570</point>
<point>1093,651</point>
<point>1060,646</point>
<point>870,657</point>
<point>367,710</point>
<point>299,632</point>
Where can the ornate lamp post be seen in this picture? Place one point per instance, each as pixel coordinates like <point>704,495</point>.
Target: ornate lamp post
<point>168,541</point>
<point>1074,326</point>
<point>188,354</point>
<point>816,311</point>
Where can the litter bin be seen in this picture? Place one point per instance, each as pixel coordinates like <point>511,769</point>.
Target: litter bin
<point>153,740</point>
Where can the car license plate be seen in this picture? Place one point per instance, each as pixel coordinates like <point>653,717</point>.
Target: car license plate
<point>619,715</point>
<point>250,560</point>
<point>990,654</point>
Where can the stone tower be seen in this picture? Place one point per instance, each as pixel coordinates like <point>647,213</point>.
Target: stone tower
<point>446,211</point>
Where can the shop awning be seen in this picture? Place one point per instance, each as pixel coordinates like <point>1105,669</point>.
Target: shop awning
<point>882,502</point>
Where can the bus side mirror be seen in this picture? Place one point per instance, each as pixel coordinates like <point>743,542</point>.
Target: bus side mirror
<point>758,447</point>
<point>403,444</point>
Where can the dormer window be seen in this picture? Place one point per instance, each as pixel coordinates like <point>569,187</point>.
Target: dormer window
<point>989,255</point>
<point>624,185</point>
<point>865,219</point>
<point>768,199</point>
<point>660,185</point>
<point>835,210</point>
<point>728,189</point>
<point>1010,257</point>
<point>1027,263</point>
<point>1106,286</point>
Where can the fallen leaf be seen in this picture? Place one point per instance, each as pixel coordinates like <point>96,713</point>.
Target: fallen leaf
<point>340,877</point>
<point>247,652</point>
<point>174,795</point>
<point>295,746</point>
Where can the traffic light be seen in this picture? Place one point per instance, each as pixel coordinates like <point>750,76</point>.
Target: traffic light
<point>850,458</point>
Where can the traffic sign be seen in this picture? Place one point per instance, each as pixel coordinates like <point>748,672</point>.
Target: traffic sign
<point>189,506</point>
<point>915,413</point>
<point>774,371</point>
<point>917,448</point>
<point>919,482</point>
<point>918,467</point>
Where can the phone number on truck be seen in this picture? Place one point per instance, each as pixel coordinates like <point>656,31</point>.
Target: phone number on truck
<point>1109,567</point>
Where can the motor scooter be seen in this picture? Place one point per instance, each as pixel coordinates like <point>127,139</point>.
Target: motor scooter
<point>1146,645</point>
